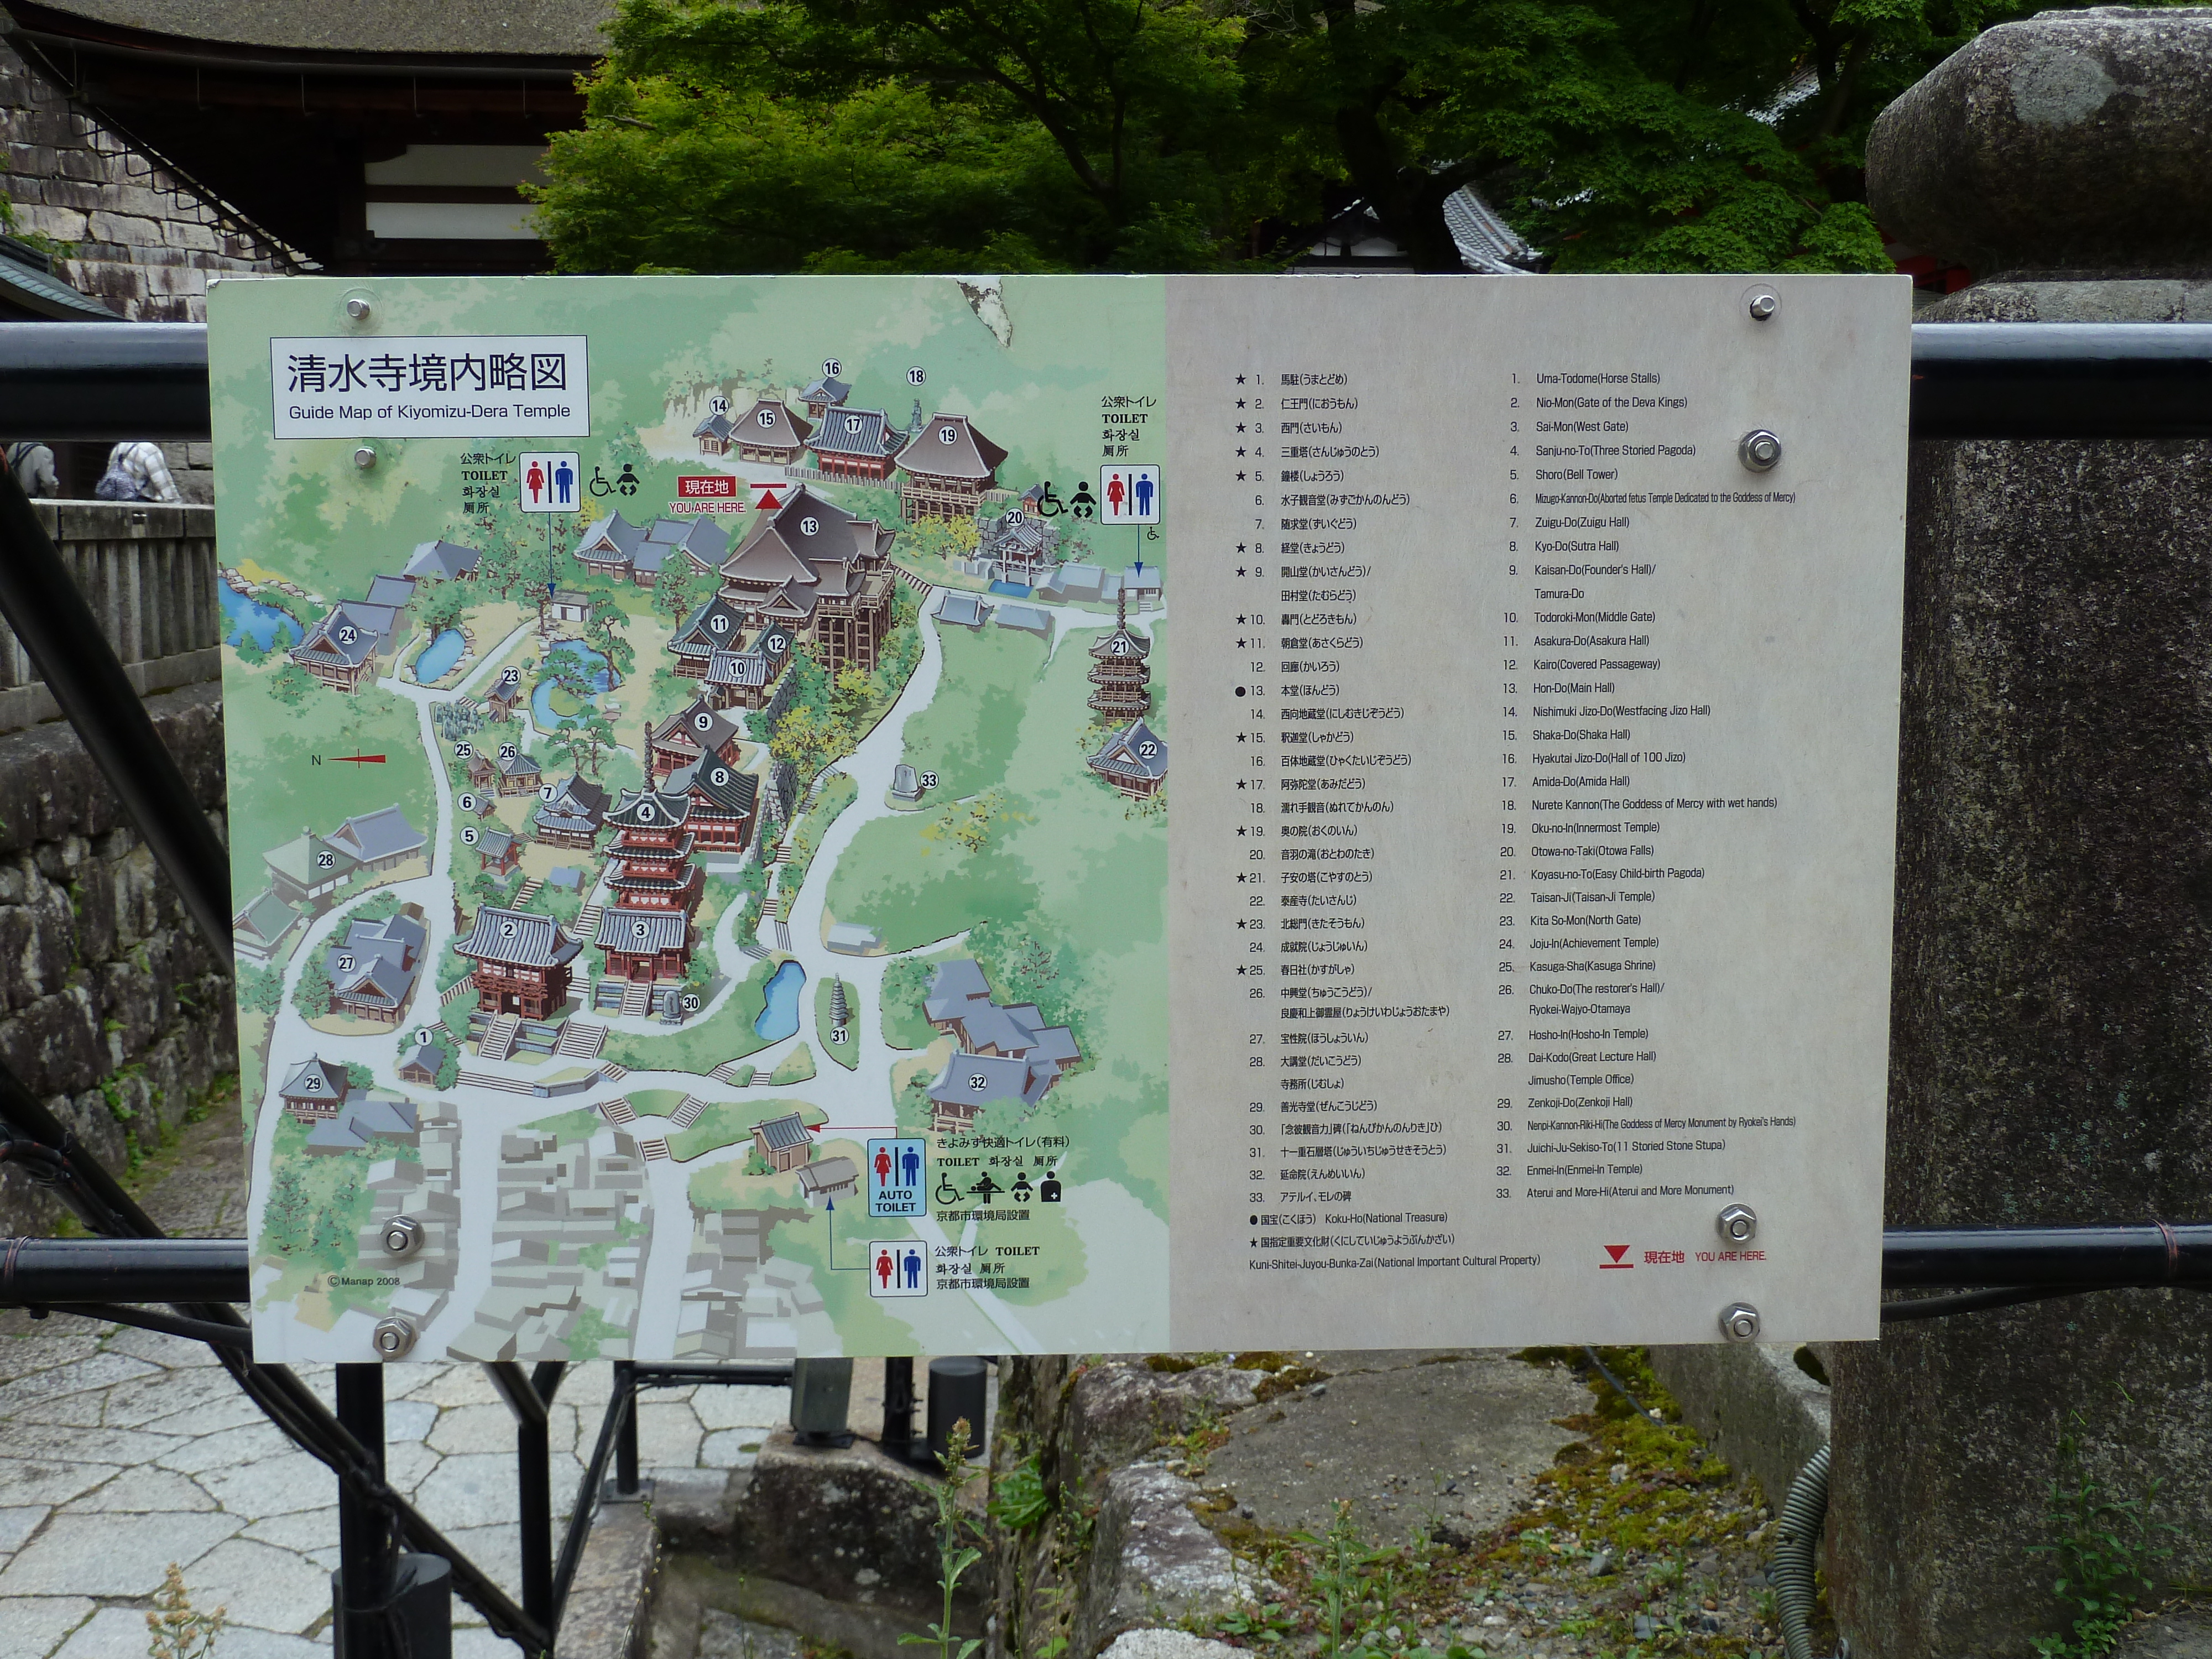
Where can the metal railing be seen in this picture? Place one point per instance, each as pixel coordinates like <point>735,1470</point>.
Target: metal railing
<point>84,381</point>
<point>148,571</point>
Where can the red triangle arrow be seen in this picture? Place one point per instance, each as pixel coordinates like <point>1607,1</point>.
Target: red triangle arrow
<point>1616,1251</point>
<point>768,502</point>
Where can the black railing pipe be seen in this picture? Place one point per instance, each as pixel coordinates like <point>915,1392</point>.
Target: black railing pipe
<point>2062,380</point>
<point>40,1272</point>
<point>113,380</point>
<point>2093,1258</point>
<point>626,1439</point>
<point>103,382</point>
<point>533,1480</point>
<point>368,1545</point>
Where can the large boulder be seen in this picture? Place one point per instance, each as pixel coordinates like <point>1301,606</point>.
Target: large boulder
<point>2073,140</point>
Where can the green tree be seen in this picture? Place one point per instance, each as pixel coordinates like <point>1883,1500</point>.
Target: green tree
<point>580,741</point>
<point>810,739</point>
<point>261,993</point>
<point>291,683</point>
<point>313,997</point>
<point>1166,135</point>
<point>445,606</point>
<point>605,625</point>
<point>681,588</point>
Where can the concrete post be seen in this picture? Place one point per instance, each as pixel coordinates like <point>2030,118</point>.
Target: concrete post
<point>2051,1042</point>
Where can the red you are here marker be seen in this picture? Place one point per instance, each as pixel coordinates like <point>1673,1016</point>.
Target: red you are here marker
<point>1618,1252</point>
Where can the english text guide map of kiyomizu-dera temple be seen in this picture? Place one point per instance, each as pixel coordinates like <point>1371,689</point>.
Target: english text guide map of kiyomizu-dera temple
<point>700,810</point>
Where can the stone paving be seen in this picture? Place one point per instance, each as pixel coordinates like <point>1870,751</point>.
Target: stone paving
<point>122,1451</point>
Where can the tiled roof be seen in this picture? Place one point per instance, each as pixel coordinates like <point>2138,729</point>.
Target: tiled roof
<point>780,1133</point>
<point>767,422</point>
<point>865,431</point>
<point>949,447</point>
<point>382,834</point>
<point>315,1079</point>
<point>265,916</point>
<point>1135,753</point>
<point>517,939</point>
<point>640,931</point>
<point>443,559</point>
<point>717,785</point>
<point>650,809</point>
<point>964,609</point>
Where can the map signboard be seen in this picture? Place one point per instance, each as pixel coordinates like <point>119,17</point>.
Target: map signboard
<point>711,891</point>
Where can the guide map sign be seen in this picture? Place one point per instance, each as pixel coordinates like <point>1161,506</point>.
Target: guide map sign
<point>715,889</point>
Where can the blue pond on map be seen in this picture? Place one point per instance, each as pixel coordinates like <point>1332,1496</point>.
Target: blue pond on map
<point>598,676</point>
<point>438,656</point>
<point>251,619</point>
<point>779,1018</point>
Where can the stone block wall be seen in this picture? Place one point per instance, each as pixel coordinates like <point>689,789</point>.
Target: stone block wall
<point>136,239</point>
<point>114,1010</point>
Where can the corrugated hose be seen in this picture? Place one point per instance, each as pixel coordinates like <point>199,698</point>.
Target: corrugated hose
<point>1796,1549</point>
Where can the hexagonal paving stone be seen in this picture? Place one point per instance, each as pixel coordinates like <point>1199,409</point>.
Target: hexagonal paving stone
<point>93,1555</point>
<point>143,1490</point>
<point>268,1588</point>
<point>35,1624</point>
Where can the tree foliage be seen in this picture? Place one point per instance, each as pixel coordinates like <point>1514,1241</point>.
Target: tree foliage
<point>1181,134</point>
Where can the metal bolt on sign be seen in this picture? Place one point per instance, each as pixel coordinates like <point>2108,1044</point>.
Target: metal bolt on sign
<point>1740,1322</point>
<point>1762,304</point>
<point>1738,1224</point>
<point>1761,450</point>
<point>358,308</point>
<point>403,1236</point>
<point>393,1337</point>
<point>365,456</point>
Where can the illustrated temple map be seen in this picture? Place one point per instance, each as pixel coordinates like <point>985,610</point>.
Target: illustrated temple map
<point>700,777</point>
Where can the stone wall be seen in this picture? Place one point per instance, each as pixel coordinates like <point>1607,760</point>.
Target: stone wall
<point>114,1010</point>
<point>136,238</point>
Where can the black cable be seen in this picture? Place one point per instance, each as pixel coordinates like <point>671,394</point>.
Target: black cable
<point>145,1319</point>
<point>1966,1301</point>
<point>1619,1387</point>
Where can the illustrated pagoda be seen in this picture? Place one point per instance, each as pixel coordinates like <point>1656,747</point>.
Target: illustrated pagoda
<point>647,931</point>
<point>1119,670</point>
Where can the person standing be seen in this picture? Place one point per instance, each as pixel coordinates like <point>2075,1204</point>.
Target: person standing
<point>33,464</point>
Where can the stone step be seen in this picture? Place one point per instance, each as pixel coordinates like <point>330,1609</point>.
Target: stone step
<point>727,1072</point>
<point>637,998</point>
<point>617,1111</point>
<point>499,1037</point>
<point>687,1111</point>
<point>583,1040</point>
<point>655,1151</point>
<point>611,1072</point>
<point>486,1080</point>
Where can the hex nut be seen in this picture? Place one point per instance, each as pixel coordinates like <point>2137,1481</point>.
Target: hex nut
<point>1759,451</point>
<point>1738,1224</point>
<point>393,1337</point>
<point>365,456</point>
<point>1738,1322</point>
<point>403,1236</point>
